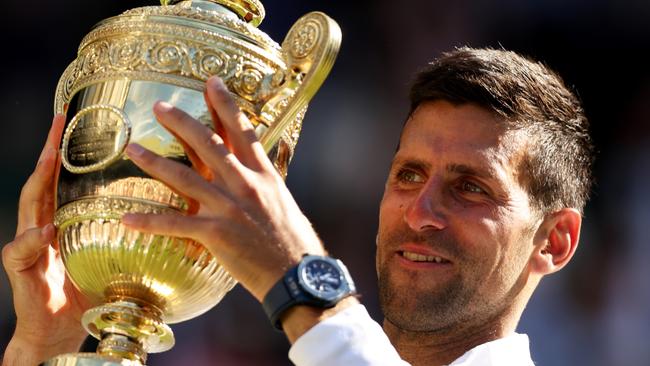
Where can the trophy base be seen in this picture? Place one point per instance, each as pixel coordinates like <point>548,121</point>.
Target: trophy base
<point>89,359</point>
<point>126,332</point>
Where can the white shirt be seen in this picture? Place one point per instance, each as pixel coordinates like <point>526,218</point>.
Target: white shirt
<point>352,338</point>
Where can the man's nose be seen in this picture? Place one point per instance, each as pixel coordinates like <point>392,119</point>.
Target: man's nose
<point>426,211</point>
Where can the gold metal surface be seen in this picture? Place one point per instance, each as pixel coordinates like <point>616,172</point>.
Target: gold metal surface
<point>251,11</point>
<point>90,359</point>
<point>311,47</point>
<point>140,282</point>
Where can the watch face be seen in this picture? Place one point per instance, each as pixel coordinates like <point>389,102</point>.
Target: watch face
<point>322,278</point>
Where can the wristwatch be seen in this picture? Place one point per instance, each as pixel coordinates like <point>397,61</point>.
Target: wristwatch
<point>316,281</point>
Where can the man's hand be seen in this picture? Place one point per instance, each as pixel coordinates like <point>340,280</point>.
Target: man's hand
<point>48,307</point>
<point>246,217</point>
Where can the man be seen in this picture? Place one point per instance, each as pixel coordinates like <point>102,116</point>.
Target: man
<point>483,199</point>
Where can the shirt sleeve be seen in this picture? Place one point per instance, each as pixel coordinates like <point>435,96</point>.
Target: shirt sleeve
<point>350,337</point>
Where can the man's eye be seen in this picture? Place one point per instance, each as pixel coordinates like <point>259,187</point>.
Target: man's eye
<point>409,176</point>
<point>471,187</point>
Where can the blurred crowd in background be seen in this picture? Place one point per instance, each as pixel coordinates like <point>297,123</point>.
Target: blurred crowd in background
<point>595,312</point>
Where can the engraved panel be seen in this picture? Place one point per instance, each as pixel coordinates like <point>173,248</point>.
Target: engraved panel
<point>95,138</point>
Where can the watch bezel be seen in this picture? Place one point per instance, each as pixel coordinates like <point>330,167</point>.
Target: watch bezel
<point>327,297</point>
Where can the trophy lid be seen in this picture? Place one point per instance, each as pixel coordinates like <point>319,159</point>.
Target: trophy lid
<point>251,11</point>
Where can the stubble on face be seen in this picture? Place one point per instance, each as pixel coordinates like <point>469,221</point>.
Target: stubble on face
<point>423,309</point>
<point>448,305</point>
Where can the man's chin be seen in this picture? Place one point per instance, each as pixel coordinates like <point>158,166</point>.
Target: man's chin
<point>417,309</point>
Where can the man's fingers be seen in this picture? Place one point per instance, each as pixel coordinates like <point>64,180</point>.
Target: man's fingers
<point>37,197</point>
<point>178,176</point>
<point>24,251</point>
<point>179,226</point>
<point>208,145</point>
<point>239,130</point>
<point>54,136</point>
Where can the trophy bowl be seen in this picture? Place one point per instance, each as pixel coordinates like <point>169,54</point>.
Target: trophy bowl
<point>137,282</point>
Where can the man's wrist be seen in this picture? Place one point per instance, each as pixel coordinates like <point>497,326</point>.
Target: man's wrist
<point>16,354</point>
<point>23,351</point>
<point>300,318</point>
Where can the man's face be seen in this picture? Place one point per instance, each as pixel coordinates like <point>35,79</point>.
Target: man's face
<point>455,227</point>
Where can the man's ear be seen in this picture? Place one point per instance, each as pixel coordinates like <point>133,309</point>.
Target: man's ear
<point>560,233</point>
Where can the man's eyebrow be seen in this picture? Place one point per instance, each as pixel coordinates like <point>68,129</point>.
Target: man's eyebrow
<point>470,170</point>
<point>463,169</point>
<point>407,163</point>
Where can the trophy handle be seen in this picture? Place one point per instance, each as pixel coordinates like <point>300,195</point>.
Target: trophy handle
<point>310,48</point>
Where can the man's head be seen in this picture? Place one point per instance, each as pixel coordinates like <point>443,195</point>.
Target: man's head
<point>556,166</point>
<point>484,194</point>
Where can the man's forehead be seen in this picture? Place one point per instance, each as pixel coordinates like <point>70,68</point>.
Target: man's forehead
<point>465,138</point>
<point>469,122</point>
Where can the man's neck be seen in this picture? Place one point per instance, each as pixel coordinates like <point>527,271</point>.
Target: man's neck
<point>442,347</point>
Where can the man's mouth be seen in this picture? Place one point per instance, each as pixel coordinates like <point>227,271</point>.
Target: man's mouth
<point>415,257</point>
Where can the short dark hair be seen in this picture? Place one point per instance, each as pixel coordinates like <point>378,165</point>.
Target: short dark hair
<point>556,166</point>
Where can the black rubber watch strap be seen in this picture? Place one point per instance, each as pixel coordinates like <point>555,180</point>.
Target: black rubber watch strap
<point>281,297</point>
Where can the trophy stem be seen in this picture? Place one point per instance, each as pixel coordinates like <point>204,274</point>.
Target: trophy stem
<point>128,330</point>
<point>122,347</point>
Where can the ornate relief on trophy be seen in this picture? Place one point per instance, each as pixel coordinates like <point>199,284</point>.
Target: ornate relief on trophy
<point>140,282</point>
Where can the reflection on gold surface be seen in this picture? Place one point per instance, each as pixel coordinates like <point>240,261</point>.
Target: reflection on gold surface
<point>178,277</point>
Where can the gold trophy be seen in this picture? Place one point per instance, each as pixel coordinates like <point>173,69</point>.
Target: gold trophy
<point>140,282</point>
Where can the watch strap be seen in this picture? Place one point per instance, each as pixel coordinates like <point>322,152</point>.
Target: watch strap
<point>281,297</point>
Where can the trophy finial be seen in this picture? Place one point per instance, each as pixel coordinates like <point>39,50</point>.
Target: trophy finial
<point>251,11</point>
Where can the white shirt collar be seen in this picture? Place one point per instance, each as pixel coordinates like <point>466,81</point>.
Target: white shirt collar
<point>512,350</point>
